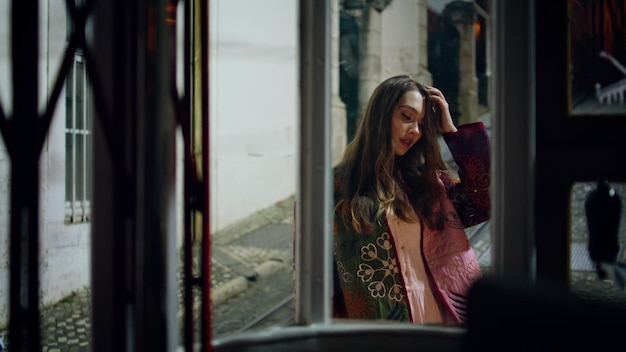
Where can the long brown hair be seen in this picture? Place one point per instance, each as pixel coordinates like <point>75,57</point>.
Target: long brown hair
<point>371,171</point>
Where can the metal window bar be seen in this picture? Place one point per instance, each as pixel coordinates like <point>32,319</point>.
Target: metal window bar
<point>205,284</point>
<point>80,140</point>
<point>24,289</point>
<point>72,132</point>
<point>88,174</point>
<point>70,142</point>
<point>72,138</point>
<point>24,152</point>
<point>192,113</point>
<point>84,136</point>
<point>78,205</point>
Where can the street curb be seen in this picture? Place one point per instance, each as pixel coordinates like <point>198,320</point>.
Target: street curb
<point>229,289</point>
<point>269,267</point>
<point>241,283</point>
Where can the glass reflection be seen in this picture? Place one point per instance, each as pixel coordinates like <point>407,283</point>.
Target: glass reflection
<point>598,57</point>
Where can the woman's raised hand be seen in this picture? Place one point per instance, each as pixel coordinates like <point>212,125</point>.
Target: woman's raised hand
<point>442,110</point>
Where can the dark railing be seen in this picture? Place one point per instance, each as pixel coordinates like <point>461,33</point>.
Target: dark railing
<point>131,69</point>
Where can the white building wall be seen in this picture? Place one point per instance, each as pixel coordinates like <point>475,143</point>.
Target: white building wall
<point>400,38</point>
<point>254,99</point>
<point>64,249</point>
<point>5,99</point>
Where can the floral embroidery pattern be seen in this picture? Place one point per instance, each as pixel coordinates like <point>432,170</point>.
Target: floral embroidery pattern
<point>479,182</point>
<point>343,273</point>
<point>451,219</point>
<point>380,270</point>
<point>358,305</point>
<point>471,196</point>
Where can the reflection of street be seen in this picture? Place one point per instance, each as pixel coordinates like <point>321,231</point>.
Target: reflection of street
<point>591,106</point>
<point>596,54</point>
<point>609,99</point>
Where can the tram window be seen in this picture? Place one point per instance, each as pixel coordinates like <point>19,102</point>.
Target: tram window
<point>239,53</point>
<point>254,117</point>
<point>423,39</point>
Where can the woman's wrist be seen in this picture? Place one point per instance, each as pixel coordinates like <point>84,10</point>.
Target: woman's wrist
<point>449,129</point>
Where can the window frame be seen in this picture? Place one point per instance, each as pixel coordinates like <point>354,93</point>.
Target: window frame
<point>512,183</point>
<point>512,160</point>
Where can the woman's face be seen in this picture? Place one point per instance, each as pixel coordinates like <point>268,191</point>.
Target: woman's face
<point>406,122</point>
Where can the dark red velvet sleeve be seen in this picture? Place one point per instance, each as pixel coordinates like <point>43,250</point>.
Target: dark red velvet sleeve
<point>470,193</point>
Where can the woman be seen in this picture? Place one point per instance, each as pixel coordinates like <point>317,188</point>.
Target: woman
<point>400,249</point>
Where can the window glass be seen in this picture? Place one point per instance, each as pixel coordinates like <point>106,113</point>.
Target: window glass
<point>253,241</point>
<point>254,109</point>
<point>598,257</point>
<point>442,44</point>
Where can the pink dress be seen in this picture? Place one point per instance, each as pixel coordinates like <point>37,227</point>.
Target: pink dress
<point>425,307</point>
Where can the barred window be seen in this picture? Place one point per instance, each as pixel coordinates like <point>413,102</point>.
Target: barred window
<point>78,144</point>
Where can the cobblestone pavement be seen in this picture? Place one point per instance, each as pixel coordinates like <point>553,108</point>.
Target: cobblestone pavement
<point>243,254</point>
<point>66,326</point>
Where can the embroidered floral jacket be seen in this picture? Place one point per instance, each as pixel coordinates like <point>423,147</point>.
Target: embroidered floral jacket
<point>368,282</point>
